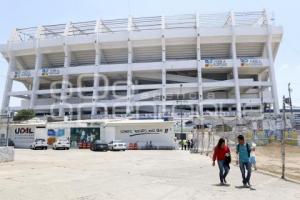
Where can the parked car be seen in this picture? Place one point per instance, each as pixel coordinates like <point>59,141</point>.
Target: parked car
<point>11,143</point>
<point>117,145</point>
<point>61,143</point>
<point>99,145</point>
<point>39,144</point>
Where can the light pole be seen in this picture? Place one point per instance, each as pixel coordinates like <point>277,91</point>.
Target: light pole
<point>181,113</point>
<point>283,139</point>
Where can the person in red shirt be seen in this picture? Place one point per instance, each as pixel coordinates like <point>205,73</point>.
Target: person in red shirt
<point>222,151</point>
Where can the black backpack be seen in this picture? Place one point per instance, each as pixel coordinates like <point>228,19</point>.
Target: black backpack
<point>248,149</point>
<point>228,158</point>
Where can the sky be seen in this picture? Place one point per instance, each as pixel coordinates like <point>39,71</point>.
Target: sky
<point>28,13</point>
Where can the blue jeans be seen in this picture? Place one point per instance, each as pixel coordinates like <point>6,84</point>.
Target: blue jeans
<point>224,169</point>
<point>267,134</point>
<point>243,167</point>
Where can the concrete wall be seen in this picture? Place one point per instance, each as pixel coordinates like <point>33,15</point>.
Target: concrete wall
<point>142,132</point>
<point>108,134</point>
<point>7,154</point>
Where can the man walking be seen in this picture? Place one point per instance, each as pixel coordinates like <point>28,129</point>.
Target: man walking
<point>243,150</point>
<point>188,144</point>
<point>184,144</point>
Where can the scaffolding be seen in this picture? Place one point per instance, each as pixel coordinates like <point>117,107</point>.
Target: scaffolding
<point>208,129</point>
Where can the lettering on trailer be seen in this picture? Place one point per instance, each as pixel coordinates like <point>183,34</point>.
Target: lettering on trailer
<point>22,74</point>
<point>49,72</point>
<point>136,132</point>
<point>216,63</point>
<point>24,131</point>
<point>24,136</point>
<point>251,62</point>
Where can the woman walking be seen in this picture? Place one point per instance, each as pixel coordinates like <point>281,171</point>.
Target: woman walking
<point>222,155</point>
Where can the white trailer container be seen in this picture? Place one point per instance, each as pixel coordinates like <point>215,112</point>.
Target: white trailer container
<point>155,133</point>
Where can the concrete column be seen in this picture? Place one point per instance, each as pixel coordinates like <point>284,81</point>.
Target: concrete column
<point>36,78</point>
<point>235,69</point>
<point>98,55</point>
<point>272,71</point>
<point>260,94</point>
<point>8,83</point>
<point>79,113</point>
<point>95,94</point>
<point>199,68</point>
<point>106,111</point>
<point>96,80</point>
<point>65,81</point>
<point>164,71</point>
<point>129,85</point>
<point>129,70</point>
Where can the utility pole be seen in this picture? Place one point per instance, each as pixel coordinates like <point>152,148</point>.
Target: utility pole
<point>7,129</point>
<point>291,105</point>
<point>283,139</point>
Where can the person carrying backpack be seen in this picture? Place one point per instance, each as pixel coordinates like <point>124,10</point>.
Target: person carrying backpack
<point>243,151</point>
<point>222,155</point>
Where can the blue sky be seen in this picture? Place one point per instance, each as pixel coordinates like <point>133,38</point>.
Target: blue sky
<point>19,13</point>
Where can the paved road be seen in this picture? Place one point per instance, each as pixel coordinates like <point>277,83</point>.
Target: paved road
<point>137,175</point>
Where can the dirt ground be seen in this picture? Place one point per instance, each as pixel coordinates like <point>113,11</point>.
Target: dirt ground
<point>269,159</point>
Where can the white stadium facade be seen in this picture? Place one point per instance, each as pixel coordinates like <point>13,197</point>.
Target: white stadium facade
<point>194,64</point>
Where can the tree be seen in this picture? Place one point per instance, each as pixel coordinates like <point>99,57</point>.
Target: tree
<point>24,114</point>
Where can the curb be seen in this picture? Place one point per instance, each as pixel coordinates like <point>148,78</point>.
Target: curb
<point>277,176</point>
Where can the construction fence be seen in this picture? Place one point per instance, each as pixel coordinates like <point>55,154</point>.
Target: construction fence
<point>276,151</point>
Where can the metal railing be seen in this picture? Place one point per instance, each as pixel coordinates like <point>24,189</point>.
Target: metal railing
<point>256,18</point>
<point>53,31</point>
<point>82,28</point>
<point>25,34</point>
<point>146,23</point>
<point>174,115</point>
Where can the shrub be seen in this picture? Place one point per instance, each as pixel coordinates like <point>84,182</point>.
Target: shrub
<point>24,114</point>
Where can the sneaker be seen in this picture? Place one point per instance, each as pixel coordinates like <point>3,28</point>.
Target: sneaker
<point>224,180</point>
<point>248,184</point>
